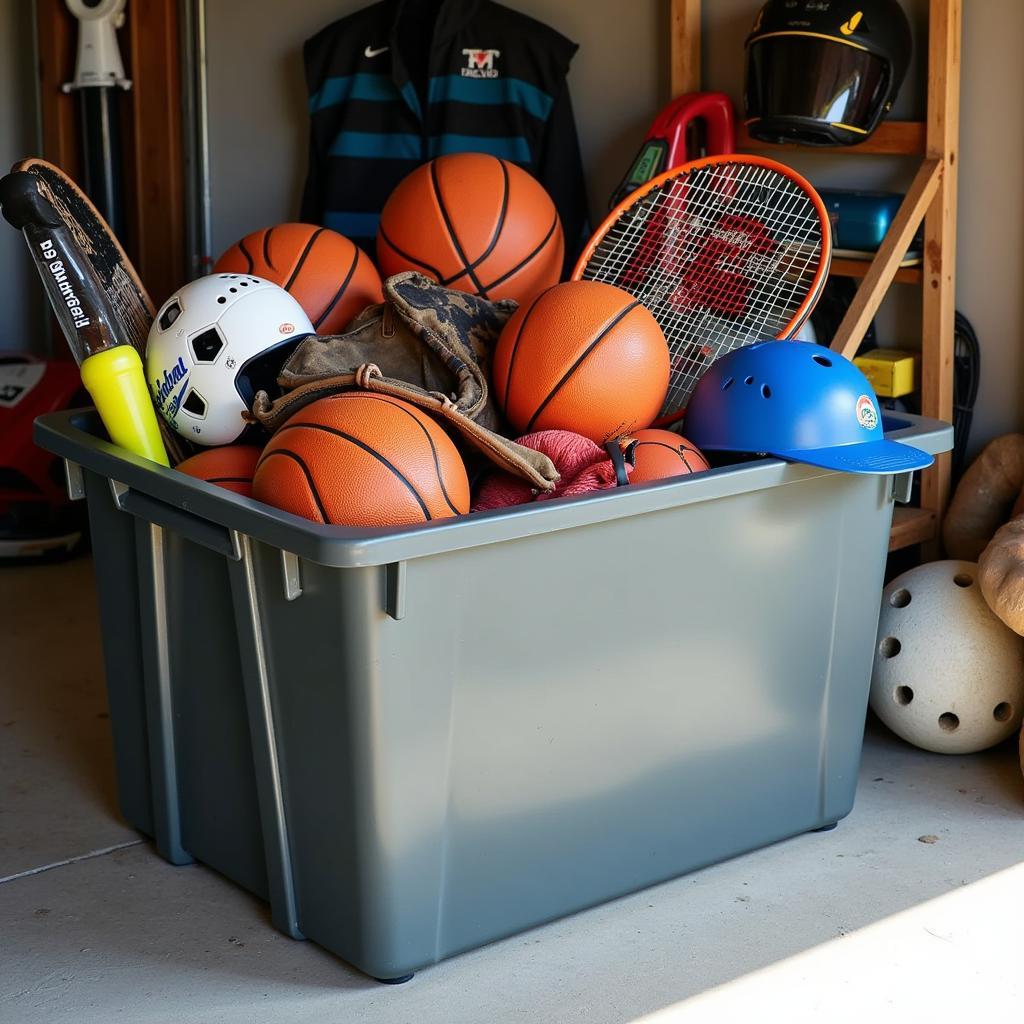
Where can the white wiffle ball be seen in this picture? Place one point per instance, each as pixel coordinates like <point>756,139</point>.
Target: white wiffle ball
<point>948,675</point>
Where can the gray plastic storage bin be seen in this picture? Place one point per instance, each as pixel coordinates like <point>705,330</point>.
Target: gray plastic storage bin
<point>415,741</point>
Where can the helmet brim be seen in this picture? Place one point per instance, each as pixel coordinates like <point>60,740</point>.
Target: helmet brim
<point>881,457</point>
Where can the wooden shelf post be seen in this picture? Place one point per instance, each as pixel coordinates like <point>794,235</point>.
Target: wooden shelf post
<point>684,46</point>
<point>931,197</point>
<point>939,295</point>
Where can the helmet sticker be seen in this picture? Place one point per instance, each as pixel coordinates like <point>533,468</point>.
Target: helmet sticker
<point>849,27</point>
<point>867,417</point>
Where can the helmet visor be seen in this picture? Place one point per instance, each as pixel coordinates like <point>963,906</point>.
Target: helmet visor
<point>881,457</point>
<point>818,79</point>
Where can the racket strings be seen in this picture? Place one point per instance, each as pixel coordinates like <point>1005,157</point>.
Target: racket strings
<point>722,256</point>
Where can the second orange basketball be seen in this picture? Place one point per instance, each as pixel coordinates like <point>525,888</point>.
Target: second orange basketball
<point>660,454</point>
<point>331,278</point>
<point>362,459</point>
<point>473,222</point>
<point>582,356</point>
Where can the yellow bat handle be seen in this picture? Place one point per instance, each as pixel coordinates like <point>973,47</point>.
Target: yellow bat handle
<point>117,384</point>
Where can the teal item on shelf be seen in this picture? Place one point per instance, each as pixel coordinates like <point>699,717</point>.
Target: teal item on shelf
<point>859,219</point>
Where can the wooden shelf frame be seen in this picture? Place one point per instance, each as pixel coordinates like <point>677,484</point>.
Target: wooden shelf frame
<point>891,138</point>
<point>859,268</point>
<point>153,174</point>
<point>931,198</point>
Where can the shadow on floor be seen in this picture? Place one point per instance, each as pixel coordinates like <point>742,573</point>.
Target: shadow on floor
<point>54,723</point>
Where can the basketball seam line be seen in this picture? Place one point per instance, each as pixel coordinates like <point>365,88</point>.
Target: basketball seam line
<point>515,348</point>
<point>228,479</point>
<point>439,277</point>
<point>302,258</point>
<point>430,441</point>
<point>656,444</point>
<point>341,291</point>
<point>366,448</point>
<point>314,493</point>
<point>248,257</point>
<point>481,291</point>
<point>524,262</point>
<point>575,366</point>
<point>501,217</point>
<point>266,248</point>
<point>680,451</point>
<point>447,282</point>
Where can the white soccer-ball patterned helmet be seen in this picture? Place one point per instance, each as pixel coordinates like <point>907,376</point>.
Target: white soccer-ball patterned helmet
<point>214,343</point>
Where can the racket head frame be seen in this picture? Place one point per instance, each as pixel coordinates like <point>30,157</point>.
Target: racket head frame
<point>820,275</point>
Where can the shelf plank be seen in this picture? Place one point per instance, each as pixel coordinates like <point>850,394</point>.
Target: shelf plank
<point>886,263</point>
<point>859,268</point>
<point>892,138</point>
<point>911,526</point>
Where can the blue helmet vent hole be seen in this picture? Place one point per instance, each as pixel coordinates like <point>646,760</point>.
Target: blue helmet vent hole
<point>822,361</point>
<point>748,380</point>
<point>766,392</point>
<point>728,384</point>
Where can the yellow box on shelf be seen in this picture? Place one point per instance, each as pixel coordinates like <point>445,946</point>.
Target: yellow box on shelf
<point>891,371</point>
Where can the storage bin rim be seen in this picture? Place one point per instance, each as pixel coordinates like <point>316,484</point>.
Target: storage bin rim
<point>77,436</point>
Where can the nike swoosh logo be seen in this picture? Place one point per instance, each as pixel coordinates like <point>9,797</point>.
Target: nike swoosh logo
<point>368,52</point>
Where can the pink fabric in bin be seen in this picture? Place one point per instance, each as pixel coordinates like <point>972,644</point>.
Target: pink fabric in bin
<point>583,466</point>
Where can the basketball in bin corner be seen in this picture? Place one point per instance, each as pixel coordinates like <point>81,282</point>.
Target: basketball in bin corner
<point>331,278</point>
<point>582,356</point>
<point>660,454</point>
<point>473,222</point>
<point>360,459</point>
<point>231,466</point>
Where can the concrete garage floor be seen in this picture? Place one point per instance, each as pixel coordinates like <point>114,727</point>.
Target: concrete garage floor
<point>864,919</point>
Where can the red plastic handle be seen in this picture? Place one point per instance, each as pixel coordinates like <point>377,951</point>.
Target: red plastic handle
<point>673,123</point>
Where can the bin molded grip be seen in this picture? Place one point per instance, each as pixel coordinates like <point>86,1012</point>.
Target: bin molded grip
<point>902,488</point>
<point>213,536</point>
<point>176,500</point>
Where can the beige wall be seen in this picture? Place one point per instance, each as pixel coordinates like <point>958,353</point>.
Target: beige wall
<point>990,223</point>
<point>619,79</point>
<point>257,96</point>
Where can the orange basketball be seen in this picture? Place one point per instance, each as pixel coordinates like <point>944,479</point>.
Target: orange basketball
<point>360,459</point>
<point>582,356</point>
<point>659,454</point>
<point>231,466</point>
<point>331,278</point>
<point>473,222</point>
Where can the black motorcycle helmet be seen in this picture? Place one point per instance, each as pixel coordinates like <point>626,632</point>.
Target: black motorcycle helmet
<point>824,72</point>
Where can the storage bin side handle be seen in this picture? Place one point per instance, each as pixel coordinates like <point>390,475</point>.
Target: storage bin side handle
<point>902,487</point>
<point>74,480</point>
<point>201,531</point>
<point>395,579</point>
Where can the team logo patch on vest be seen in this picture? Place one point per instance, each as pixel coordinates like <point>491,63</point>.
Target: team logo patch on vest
<point>480,63</point>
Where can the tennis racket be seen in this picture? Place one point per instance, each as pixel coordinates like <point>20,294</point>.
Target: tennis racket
<point>103,310</point>
<point>724,251</point>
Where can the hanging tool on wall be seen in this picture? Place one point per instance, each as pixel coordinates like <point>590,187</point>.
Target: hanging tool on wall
<point>99,74</point>
<point>693,125</point>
